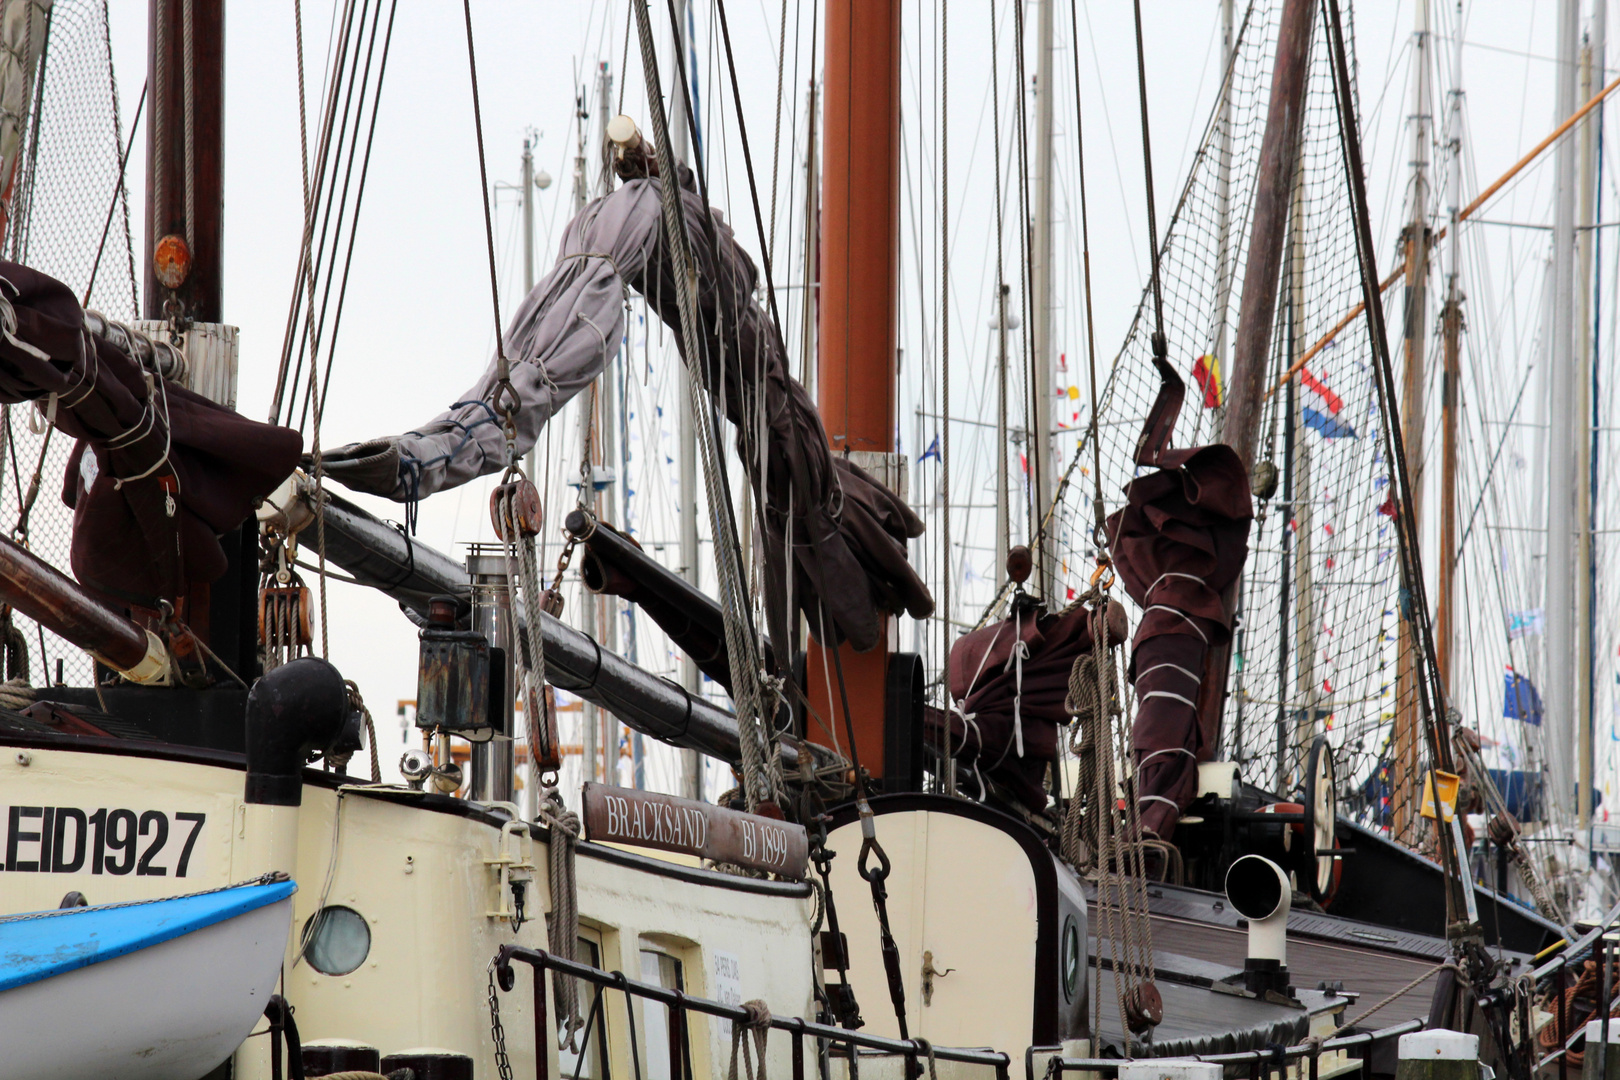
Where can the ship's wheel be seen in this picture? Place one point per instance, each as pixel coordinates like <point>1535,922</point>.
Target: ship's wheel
<point>1319,866</point>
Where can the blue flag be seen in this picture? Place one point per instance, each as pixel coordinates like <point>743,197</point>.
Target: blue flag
<point>1330,426</point>
<point>1520,699</point>
<point>931,452</point>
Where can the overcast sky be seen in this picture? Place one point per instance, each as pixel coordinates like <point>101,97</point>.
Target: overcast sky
<point>417,327</point>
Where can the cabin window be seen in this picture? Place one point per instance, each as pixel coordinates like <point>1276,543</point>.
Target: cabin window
<point>660,969</point>
<point>590,1063</point>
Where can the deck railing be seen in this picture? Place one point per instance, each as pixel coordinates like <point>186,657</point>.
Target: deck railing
<point>825,1037</point>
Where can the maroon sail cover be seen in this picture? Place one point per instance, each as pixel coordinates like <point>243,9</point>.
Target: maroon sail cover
<point>158,474</point>
<point>1179,543</point>
<point>987,684</point>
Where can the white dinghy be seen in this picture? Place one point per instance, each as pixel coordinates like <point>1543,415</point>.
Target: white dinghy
<point>158,990</point>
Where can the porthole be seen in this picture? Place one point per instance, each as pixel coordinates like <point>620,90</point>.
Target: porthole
<point>1073,959</point>
<point>339,940</point>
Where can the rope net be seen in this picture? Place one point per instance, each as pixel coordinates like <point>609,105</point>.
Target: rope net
<point>1318,642</point>
<point>67,175</point>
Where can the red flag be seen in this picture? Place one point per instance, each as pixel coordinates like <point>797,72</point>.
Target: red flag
<point>1207,373</point>
<point>1329,398</point>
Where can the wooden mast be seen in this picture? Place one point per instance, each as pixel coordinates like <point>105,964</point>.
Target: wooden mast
<point>185,190</point>
<point>859,299</point>
<point>185,212</point>
<point>1251,350</point>
<point>1415,246</point>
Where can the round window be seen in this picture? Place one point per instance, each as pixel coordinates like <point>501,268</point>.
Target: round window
<point>1073,959</point>
<point>339,940</point>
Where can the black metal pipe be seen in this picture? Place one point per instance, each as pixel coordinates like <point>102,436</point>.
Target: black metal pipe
<point>614,564</point>
<point>385,558</point>
<point>301,706</point>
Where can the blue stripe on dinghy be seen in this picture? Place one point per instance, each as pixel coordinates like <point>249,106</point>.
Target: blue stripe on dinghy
<point>32,949</point>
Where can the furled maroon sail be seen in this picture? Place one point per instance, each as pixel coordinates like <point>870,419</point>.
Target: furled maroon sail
<point>1009,682</point>
<point>159,473</point>
<point>1178,542</point>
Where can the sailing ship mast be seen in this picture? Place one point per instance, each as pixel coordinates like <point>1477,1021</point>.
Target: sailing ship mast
<point>1415,240</point>
<point>1251,351</point>
<point>691,778</point>
<point>185,211</point>
<point>1451,324</point>
<point>859,305</point>
<point>1559,601</point>
<point>1582,426</point>
<point>1041,273</point>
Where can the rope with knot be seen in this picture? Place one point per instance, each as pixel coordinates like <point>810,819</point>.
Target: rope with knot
<point>758,1025</point>
<point>1096,838</point>
<point>562,928</point>
<point>15,694</point>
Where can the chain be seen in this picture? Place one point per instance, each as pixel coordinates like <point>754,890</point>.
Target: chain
<point>273,877</point>
<point>844,1007</point>
<point>518,902</point>
<point>503,1064</point>
<point>563,560</point>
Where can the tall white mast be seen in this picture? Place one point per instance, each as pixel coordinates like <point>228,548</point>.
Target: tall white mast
<point>1591,77</point>
<point>1451,320</point>
<point>686,435</point>
<point>1559,603</point>
<point>1040,279</point>
<point>609,503</point>
<point>1003,490</point>
<point>587,473</point>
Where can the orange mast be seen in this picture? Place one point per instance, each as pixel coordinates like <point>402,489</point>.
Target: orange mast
<point>859,300</point>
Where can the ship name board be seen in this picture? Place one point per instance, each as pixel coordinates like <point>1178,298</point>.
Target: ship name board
<point>646,819</point>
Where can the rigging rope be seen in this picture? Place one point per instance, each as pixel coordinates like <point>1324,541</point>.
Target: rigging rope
<point>505,397</point>
<point>562,925</point>
<point>1004,541</point>
<point>1099,514</point>
<point>1160,345</point>
<point>947,761</point>
<point>1431,689</point>
<point>754,729</point>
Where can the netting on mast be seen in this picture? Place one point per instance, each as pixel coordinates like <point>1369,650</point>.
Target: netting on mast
<point>1316,645</point>
<point>67,174</point>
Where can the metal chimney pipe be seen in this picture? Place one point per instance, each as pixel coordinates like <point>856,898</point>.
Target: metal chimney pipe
<point>1259,891</point>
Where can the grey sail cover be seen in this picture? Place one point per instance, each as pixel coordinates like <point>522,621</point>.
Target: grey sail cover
<point>848,533</point>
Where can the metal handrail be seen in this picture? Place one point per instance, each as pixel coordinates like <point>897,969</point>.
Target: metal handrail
<point>542,961</point>
<point>1059,1065</point>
